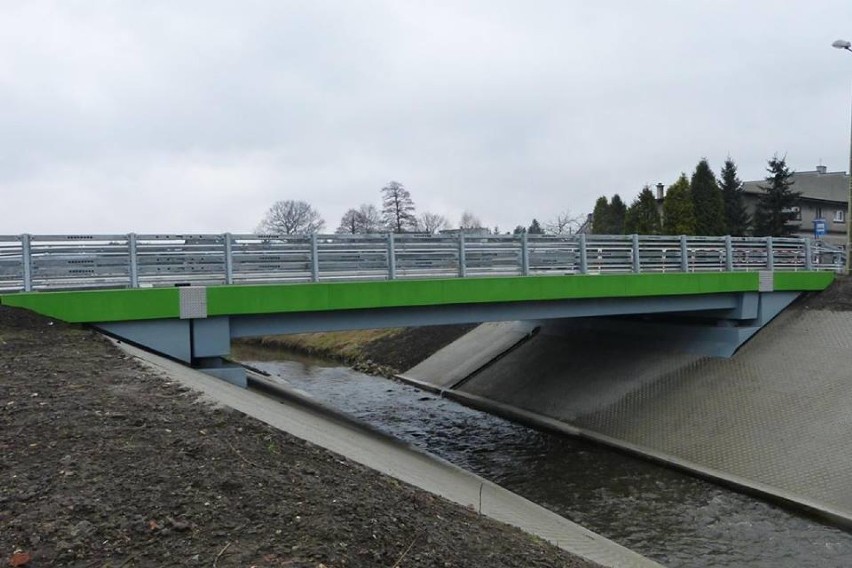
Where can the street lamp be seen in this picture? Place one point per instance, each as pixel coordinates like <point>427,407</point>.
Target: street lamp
<point>844,44</point>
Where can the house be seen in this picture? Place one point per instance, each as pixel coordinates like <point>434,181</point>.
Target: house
<point>824,199</point>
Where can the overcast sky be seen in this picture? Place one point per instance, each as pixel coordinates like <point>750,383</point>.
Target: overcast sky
<point>163,116</point>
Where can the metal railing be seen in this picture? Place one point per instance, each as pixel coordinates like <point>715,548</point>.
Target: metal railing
<point>54,262</point>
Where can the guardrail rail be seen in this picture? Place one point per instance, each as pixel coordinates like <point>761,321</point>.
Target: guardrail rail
<point>55,262</point>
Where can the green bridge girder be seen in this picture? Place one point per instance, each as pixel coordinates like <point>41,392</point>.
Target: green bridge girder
<point>99,306</point>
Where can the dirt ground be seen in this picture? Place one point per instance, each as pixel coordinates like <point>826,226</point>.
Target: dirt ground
<point>837,297</point>
<point>106,464</point>
<point>412,345</point>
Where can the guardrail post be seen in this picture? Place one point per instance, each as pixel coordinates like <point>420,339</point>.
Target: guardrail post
<point>525,254</point>
<point>27,261</point>
<point>229,259</point>
<point>636,266</point>
<point>729,254</point>
<point>391,257</point>
<point>770,255</point>
<point>134,260</point>
<point>584,261</point>
<point>809,260</point>
<point>684,254</point>
<point>462,260</point>
<point>314,258</point>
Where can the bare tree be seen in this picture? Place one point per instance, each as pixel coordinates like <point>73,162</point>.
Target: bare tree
<point>469,221</point>
<point>432,222</point>
<point>370,219</point>
<point>291,218</point>
<point>397,208</point>
<point>348,223</point>
<point>564,224</point>
<point>365,219</point>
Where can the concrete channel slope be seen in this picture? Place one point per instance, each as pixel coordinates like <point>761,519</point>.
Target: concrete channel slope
<point>309,421</point>
<point>775,419</point>
<point>460,359</point>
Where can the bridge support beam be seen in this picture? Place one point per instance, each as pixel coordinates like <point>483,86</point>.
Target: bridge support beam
<point>709,324</point>
<point>200,342</point>
<point>714,335</point>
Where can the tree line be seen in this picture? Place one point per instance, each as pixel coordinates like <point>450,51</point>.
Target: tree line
<point>396,215</point>
<point>704,205</point>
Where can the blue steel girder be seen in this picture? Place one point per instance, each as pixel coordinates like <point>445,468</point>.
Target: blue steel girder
<point>732,319</point>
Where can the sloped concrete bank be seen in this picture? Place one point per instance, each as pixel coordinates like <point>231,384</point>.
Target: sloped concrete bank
<point>773,420</point>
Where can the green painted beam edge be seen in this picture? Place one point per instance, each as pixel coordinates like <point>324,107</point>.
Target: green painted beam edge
<point>286,298</point>
<point>802,281</point>
<point>164,303</point>
<point>85,306</point>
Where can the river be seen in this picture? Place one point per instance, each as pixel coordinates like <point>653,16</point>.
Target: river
<point>668,516</point>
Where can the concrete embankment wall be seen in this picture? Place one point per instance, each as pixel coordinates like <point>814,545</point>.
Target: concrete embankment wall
<point>776,418</point>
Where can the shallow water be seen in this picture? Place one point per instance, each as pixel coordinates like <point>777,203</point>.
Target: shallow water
<point>671,517</point>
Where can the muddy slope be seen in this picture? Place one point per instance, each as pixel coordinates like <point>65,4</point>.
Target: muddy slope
<point>107,464</point>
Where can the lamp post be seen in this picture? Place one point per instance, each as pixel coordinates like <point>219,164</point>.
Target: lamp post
<point>844,44</point>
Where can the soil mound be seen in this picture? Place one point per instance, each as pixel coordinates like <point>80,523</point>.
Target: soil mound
<point>836,298</point>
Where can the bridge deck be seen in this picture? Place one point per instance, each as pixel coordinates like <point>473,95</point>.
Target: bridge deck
<point>89,306</point>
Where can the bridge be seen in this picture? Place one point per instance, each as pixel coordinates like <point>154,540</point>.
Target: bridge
<point>187,296</point>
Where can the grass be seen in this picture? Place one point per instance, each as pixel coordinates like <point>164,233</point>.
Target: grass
<point>340,345</point>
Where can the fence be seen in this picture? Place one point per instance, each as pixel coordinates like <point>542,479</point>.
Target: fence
<point>53,262</point>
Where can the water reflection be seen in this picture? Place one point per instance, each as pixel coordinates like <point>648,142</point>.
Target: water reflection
<point>673,518</point>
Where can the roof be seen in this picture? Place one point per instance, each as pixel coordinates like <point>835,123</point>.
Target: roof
<point>828,186</point>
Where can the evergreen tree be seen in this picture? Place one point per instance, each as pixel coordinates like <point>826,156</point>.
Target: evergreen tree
<point>707,201</point>
<point>519,230</point>
<point>601,222</point>
<point>736,217</point>
<point>775,205</point>
<point>535,228</point>
<point>642,217</point>
<point>617,213</point>
<point>397,208</point>
<point>678,211</point>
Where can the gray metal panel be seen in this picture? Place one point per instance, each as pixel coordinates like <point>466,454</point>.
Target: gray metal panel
<point>748,307</point>
<point>766,282</point>
<point>193,302</point>
<point>211,337</point>
<point>773,304</point>
<point>169,337</point>
<point>253,326</point>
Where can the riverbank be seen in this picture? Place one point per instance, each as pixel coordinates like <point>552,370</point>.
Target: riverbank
<point>109,464</point>
<point>385,352</point>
